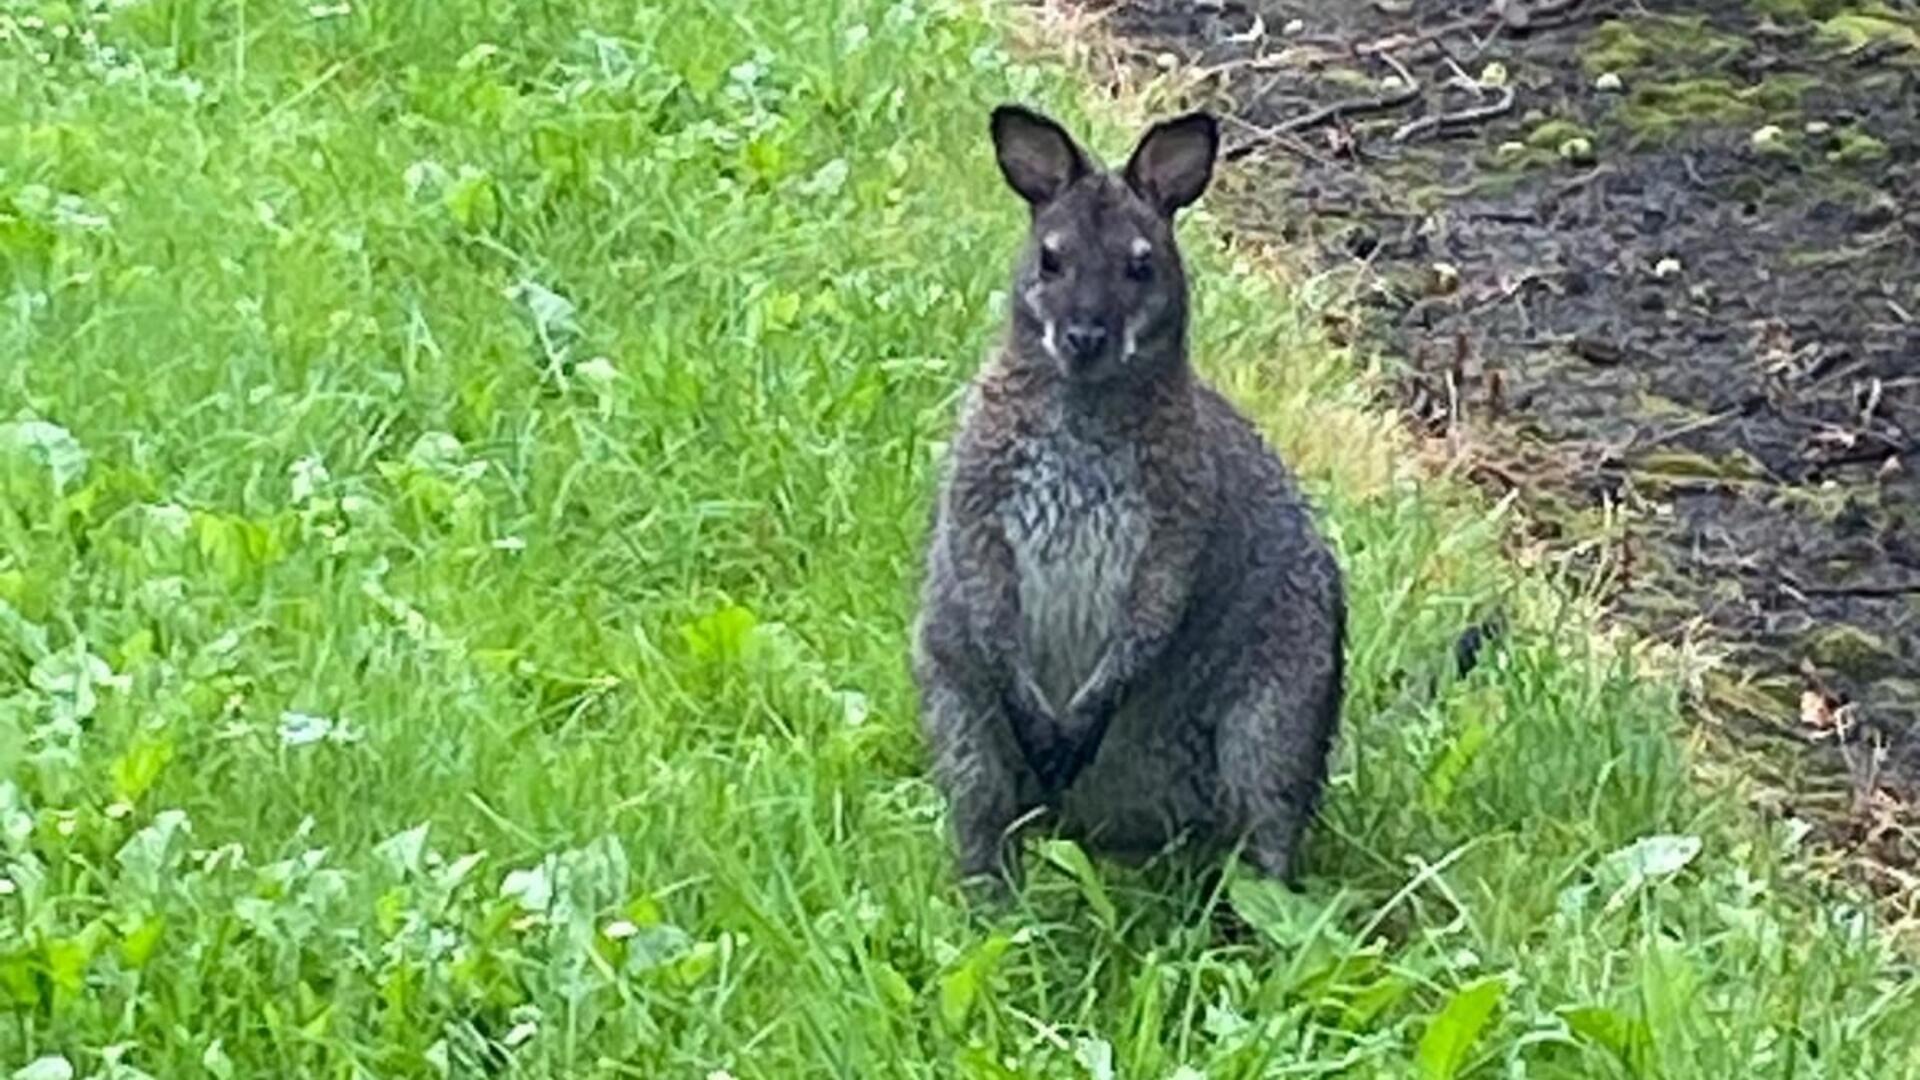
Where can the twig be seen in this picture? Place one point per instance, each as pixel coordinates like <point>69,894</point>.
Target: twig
<point>1263,135</point>
<point>1905,588</point>
<point>1678,430</point>
<point>1261,62</point>
<point>1910,588</point>
<point>1490,22</point>
<point>1323,115</point>
<point>1454,120</point>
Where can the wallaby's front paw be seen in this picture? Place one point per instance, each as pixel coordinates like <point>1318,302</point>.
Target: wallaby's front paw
<point>1038,733</point>
<point>987,892</point>
<point>1086,729</point>
<point>989,874</point>
<point>1055,765</point>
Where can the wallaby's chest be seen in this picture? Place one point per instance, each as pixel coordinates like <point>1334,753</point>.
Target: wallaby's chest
<point>1076,518</point>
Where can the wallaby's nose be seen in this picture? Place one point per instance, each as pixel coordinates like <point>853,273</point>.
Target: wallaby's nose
<point>1085,340</point>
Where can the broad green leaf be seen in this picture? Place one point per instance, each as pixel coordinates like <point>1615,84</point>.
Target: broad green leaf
<point>657,946</point>
<point>48,445</point>
<point>1096,1055</point>
<point>150,854</point>
<point>471,199</point>
<point>644,910</point>
<point>1656,856</point>
<point>980,1063</point>
<point>136,770</point>
<point>962,987</point>
<point>721,635</point>
<point>67,959</point>
<point>1285,917</point>
<point>1608,1029</point>
<point>696,963</point>
<point>1461,751</point>
<point>137,947</point>
<point>17,983</point>
<point>1647,859</point>
<point>390,910</point>
<point>893,985</point>
<point>1374,999</point>
<point>70,676</point>
<point>405,852</point>
<point>216,1061</point>
<point>51,1067</point>
<point>29,637</point>
<point>1450,1037</point>
<point>531,888</point>
<point>1068,856</point>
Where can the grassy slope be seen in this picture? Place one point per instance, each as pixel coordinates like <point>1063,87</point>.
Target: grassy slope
<point>610,625</point>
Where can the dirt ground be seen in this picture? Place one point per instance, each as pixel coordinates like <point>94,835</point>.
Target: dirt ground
<point>1658,266</point>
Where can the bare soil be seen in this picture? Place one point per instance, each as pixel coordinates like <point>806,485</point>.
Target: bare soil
<point>1661,263</point>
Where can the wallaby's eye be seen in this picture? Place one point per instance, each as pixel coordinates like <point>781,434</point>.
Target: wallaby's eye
<point>1140,259</point>
<point>1049,261</point>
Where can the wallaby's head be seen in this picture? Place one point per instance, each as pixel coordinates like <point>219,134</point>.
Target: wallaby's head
<point>1100,290</point>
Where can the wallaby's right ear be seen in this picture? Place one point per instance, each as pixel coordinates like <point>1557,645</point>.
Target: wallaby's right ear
<point>1037,156</point>
<point>1173,162</point>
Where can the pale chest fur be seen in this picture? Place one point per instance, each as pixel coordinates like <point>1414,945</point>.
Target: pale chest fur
<point>1076,517</point>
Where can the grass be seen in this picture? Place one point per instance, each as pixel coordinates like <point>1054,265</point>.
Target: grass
<point>463,472</point>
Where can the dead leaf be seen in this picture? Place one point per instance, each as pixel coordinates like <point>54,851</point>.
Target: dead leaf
<point>1815,713</point>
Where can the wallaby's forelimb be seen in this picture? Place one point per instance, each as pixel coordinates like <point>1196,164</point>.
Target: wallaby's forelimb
<point>1156,604</point>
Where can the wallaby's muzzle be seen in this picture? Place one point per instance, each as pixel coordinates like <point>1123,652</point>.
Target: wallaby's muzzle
<point>1085,343</point>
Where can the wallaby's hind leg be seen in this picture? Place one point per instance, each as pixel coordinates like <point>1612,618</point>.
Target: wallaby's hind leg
<point>1272,746</point>
<point>982,784</point>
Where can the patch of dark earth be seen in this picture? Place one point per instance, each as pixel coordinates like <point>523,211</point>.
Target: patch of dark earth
<point>1660,257</point>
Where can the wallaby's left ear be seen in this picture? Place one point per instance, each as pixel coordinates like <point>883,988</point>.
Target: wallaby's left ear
<point>1173,163</point>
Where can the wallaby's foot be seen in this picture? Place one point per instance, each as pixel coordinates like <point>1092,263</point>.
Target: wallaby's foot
<point>1272,746</point>
<point>988,868</point>
<point>976,770</point>
<point>989,892</point>
<point>986,824</point>
<point>1273,851</point>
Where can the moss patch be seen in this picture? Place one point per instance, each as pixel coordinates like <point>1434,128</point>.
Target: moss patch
<point>1848,648</point>
<point>1798,9</point>
<point>1658,41</point>
<point>1552,134</point>
<point>1660,110</point>
<point>1854,146</point>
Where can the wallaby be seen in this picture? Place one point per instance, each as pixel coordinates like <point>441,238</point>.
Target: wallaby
<point>1128,618</point>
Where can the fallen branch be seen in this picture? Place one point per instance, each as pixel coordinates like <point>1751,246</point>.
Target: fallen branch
<point>1262,136</point>
<point>1698,424</point>
<point>1499,15</point>
<point>1904,588</point>
<point>1884,592</point>
<point>1326,114</point>
<point>1453,121</point>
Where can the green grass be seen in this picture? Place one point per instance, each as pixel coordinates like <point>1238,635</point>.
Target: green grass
<point>460,498</point>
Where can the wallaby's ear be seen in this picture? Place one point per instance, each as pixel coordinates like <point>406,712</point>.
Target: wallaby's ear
<point>1037,156</point>
<point>1173,163</point>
